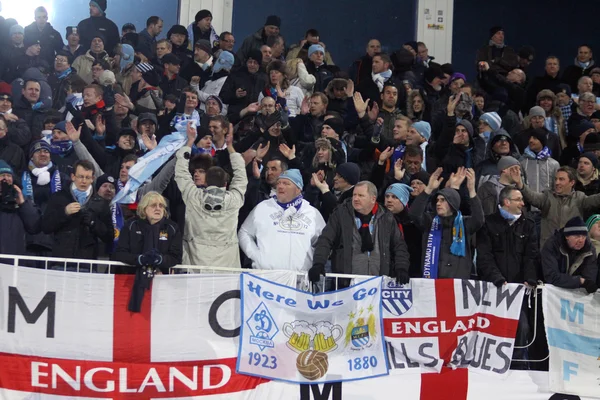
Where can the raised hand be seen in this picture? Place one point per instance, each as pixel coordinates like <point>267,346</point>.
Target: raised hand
<point>359,104</point>
<point>471,182</point>
<point>90,125</point>
<point>191,133</point>
<point>74,134</point>
<point>452,103</point>
<point>399,170</point>
<point>319,183</point>
<point>262,151</point>
<point>374,111</point>
<point>290,154</point>
<point>305,106</point>
<point>434,181</point>
<point>349,88</point>
<point>457,178</point>
<point>255,169</point>
<point>124,101</point>
<point>100,125</point>
<point>195,81</point>
<point>387,153</point>
<point>149,142</point>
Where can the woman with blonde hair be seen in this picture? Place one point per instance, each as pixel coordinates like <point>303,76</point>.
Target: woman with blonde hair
<point>151,240</point>
<point>298,75</point>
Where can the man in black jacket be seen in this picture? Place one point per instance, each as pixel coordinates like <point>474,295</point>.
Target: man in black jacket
<point>363,238</point>
<point>361,68</point>
<point>49,38</point>
<point>97,22</point>
<point>80,218</point>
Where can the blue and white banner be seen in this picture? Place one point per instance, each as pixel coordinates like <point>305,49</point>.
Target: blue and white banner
<point>572,319</point>
<point>299,337</point>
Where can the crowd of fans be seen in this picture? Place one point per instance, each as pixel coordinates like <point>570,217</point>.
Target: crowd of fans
<point>394,166</point>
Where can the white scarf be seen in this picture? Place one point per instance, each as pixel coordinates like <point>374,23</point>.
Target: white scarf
<point>381,78</point>
<point>42,174</point>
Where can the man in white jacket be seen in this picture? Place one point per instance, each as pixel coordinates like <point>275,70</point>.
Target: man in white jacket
<point>280,233</point>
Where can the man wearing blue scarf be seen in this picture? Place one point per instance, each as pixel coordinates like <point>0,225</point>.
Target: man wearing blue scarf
<point>446,245</point>
<point>60,80</point>
<point>80,218</point>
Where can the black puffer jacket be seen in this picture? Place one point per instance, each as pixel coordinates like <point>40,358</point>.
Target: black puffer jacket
<point>507,253</point>
<point>72,238</point>
<point>242,79</point>
<point>15,225</point>
<point>563,267</point>
<point>13,155</point>
<point>139,236</point>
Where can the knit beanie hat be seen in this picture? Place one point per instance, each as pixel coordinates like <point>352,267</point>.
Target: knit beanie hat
<point>105,179</point>
<point>495,29</point>
<point>16,29</point>
<point>575,226</point>
<point>591,221</point>
<point>457,75</point>
<point>217,99</point>
<point>200,15</point>
<point>293,175</point>
<point>350,172</point>
<point>39,145</point>
<point>506,162</point>
<point>225,61</point>
<point>101,4</point>
<point>61,126</point>
<point>423,128</point>
<point>539,134</point>
<point>5,168</point>
<point>30,41</point>
<point>401,191</point>
<point>592,157</point>
<point>148,73</point>
<point>273,20</point>
<point>204,45</point>
<point>422,176</point>
<point>315,47</point>
<point>256,55</point>
<point>537,111</point>
<point>336,124</point>
<point>492,119</point>
<point>563,87</point>
<point>578,129</point>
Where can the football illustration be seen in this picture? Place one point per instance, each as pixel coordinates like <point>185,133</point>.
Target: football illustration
<point>312,364</point>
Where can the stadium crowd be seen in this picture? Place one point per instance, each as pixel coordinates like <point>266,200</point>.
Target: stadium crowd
<point>394,166</point>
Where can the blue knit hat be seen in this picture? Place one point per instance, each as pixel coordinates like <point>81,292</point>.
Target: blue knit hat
<point>315,47</point>
<point>295,176</point>
<point>225,61</point>
<point>61,126</point>
<point>423,128</point>
<point>39,145</point>
<point>401,191</point>
<point>492,119</point>
<point>5,168</point>
<point>16,29</point>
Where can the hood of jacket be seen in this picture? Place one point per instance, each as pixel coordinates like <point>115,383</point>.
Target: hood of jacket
<point>329,89</point>
<point>514,152</point>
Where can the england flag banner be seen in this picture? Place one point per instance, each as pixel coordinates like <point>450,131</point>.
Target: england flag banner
<point>572,319</point>
<point>69,335</point>
<point>435,323</point>
<point>299,337</point>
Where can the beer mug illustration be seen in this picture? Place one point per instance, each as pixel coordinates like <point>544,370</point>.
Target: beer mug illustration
<point>300,335</point>
<point>327,336</point>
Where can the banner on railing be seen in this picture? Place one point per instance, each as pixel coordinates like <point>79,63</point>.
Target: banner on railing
<point>304,338</point>
<point>572,319</point>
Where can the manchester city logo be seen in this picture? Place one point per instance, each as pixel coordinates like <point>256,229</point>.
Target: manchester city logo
<point>396,299</point>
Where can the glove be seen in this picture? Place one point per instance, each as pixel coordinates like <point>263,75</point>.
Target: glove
<point>402,277</point>
<point>531,282</point>
<point>314,274</point>
<point>499,282</point>
<point>87,217</point>
<point>156,257</point>
<point>108,96</point>
<point>145,259</point>
<point>590,286</point>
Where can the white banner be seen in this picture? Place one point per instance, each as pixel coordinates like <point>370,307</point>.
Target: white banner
<point>295,336</point>
<point>572,319</point>
<point>431,323</point>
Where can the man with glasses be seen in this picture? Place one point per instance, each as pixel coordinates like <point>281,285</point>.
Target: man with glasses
<point>80,218</point>
<point>211,215</point>
<point>60,80</point>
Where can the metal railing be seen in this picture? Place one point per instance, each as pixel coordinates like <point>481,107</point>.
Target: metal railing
<point>110,267</point>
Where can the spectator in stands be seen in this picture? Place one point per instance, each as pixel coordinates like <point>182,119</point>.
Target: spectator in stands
<point>446,232</point>
<point>500,56</point>
<point>97,22</point>
<point>550,80</point>
<point>80,219</point>
<point>278,87</point>
<point>171,82</point>
<point>361,69</point>
<point>536,122</point>
<point>145,93</point>
<point>259,38</point>
<point>266,56</point>
<point>49,38</point>
<point>202,29</point>
<point>511,87</point>
<point>18,131</point>
<point>578,132</point>
<point>83,64</point>
<point>212,212</point>
<point>587,174</point>
<point>489,191</point>
<point>280,232</point>
<point>307,127</point>
<point>30,59</point>
<point>163,47</point>
<point>500,145</point>
<point>242,87</point>
<point>202,63</point>
<point>212,87</point>
<point>346,177</point>
<point>18,215</point>
<point>317,67</point>
<point>583,64</point>
<point>147,37</point>
<point>9,151</point>
<point>507,244</point>
<point>594,231</point>
<point>277,46</point>
<point>60,80</point>
<point>569,259</point>
<point>298,76</point>
<point>362,238</point>
<point>150,239</point>
<point>561,204</point>
<point>73,45</point>
<point>178,36</point>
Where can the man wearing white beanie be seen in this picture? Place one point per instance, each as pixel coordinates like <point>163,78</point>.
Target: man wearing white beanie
<point>418,135</point>
<point>489,123</point>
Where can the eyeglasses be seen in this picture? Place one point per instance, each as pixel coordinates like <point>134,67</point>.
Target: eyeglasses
<point>85,178</point>
<point>518,200</point>
<point>60,60</point>
<point>157,205</point>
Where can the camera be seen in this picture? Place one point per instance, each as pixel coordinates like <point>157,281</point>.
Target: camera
<point>8,196</point>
